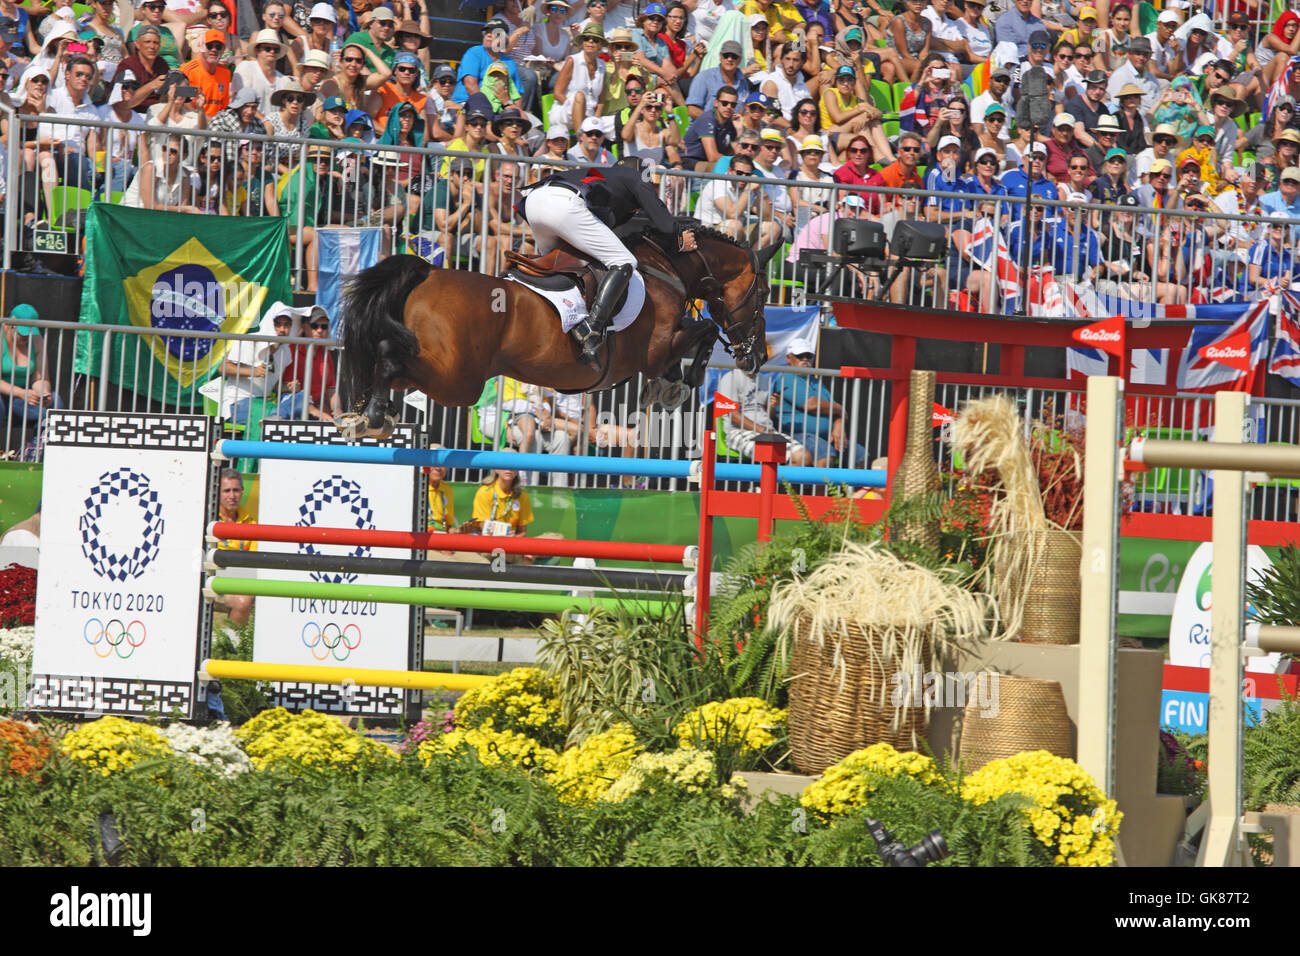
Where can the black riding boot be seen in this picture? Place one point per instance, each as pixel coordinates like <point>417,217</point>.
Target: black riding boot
<point>590,333</point>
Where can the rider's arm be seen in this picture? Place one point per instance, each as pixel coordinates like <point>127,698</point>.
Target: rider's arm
<point>647,198</point>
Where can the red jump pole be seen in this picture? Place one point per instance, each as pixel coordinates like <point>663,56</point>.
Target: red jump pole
<point>424,540</point>
<point>769,452</point>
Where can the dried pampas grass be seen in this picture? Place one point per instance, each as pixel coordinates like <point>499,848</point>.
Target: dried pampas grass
<point>909,611</point>
<point>989,435</point>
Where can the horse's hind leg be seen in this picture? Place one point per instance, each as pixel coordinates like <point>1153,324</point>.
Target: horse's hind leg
<point>379,417</point>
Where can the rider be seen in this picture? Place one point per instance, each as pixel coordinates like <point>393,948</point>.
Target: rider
<point>580,205</point>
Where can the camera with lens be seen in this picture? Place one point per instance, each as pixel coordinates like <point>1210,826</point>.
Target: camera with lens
<point>932,848</point>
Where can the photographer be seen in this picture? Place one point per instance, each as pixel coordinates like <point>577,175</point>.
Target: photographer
<point>647,135</point>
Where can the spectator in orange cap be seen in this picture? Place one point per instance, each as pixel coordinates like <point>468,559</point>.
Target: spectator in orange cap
<point>206,73</point>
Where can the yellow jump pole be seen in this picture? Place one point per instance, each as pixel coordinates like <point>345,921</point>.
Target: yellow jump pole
<point>360,676</point>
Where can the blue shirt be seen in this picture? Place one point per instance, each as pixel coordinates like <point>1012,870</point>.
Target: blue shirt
<point>1016,182</point>
<point>1273,202</point>
<point>1273,263</point>
<point>656,51</point>
<point>706,124</point>
<point>817,13</point>
<point>936,182</point>
<point>972,185</point>
<point>706,84</point>
<point>793,392</point>
<point>1011,27</point>
<point>475,63</point>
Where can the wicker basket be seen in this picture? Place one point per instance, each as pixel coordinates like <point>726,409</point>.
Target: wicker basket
<point>1031,715</point>
<point>827,722</point>
<point>1052,602</point>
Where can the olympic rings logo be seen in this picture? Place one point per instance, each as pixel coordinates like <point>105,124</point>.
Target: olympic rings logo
<point>330,640</point>
<point>115,636</point>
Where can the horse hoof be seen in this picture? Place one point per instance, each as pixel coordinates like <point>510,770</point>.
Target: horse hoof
<point>675,395</point>
<point>352,425</point>
<point>384,431</point>
<point>651,392</point>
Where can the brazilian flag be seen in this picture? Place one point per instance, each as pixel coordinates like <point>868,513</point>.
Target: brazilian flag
<point>170,270</point>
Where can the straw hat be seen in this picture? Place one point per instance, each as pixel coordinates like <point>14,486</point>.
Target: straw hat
<point>277,98</point>
<point>1227,93</point>
<point>1130,89</point>
<point>268,38</point>
<point>413,28</point>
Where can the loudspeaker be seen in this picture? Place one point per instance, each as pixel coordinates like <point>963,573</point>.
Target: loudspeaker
<point>858,239</point>
<point>920,241</point>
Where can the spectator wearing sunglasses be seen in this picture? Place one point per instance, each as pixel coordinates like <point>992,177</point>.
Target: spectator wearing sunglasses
<point>441,112</point>
<point>709,136</point>
<point>379,35</point>
<point>206,72</point>
<point>259,74</point>
<point>707,83</point>
<point>1164,140</point>
<point>1016,25</point>
<point>1165,49</point>
<point>114,43</point>
<point>213,15</point>
<point>308,386</point>
<point>402,88</point>
<point>171,35</point>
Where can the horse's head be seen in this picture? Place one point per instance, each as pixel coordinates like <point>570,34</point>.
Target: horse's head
<point>735,287</point>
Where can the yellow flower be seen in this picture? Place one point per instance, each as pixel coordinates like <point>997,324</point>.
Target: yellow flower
<point>844,787</point>
<point>278,738</point>
<point>493,748</point>
<point>749,723</point>
<point>686,770</point>
<point>1070,816</point>
<point>524,700</point>
<point>110,744</point>
<point>584,773</point>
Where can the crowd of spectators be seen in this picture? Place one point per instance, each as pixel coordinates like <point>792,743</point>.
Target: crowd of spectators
<point>1143,107</point>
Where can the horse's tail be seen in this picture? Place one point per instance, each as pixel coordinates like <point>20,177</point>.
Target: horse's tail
<point>374,306</point>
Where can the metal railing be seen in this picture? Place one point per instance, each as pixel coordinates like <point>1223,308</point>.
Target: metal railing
<point>457,209</point>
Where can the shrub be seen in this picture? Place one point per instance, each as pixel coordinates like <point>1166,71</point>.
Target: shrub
<point>524,700</point>
<point>493,747</point>
<point>113,743</point>
<point>584,773</point>
<point>846,786</point>
<point>24,749</point>
<point>278,738</point>
<point>1069,814</point>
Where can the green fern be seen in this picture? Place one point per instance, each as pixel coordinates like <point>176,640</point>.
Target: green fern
<point>1274,597</point>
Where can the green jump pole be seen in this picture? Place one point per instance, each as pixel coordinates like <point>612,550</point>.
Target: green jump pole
<point>428,597</point>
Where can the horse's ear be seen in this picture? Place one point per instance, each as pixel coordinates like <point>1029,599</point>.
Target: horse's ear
<point>764,255</point>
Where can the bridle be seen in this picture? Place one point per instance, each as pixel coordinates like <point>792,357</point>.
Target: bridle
<point>739,337</point>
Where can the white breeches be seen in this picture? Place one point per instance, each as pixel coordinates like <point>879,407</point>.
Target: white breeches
<point>556,214</point>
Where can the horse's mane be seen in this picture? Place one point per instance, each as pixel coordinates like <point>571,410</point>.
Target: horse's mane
<point>708,232</point>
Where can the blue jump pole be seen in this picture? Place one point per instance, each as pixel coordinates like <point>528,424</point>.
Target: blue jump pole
<point>519,461</point>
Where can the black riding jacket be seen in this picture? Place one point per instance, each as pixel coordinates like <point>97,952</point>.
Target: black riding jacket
<point>622,192</point>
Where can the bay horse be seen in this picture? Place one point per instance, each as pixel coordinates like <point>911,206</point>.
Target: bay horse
<point>445,332</point>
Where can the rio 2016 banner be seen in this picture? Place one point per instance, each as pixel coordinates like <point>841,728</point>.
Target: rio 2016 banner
<point>336,633</point>
<point>175,271</point>
<point>117,595</point>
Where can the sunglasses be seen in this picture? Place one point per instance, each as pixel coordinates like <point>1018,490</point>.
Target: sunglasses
<point>857,150</point>
<point>477,123</point>
<point>725,56</point>
<point>284,322</point>
<point>40,80</point>
<point>1083,56</point>
<point>987,161</point>
<point>294,98</point>
<point>215,47</point>
<point>726,102</point>
<point>266,48</point>
<point>273,16</point>
<point>995,118</point>
<point>445,79</point>
<point>154,6</point>
<point>747,147</point>
<point>625,47</point>
<point>1038,46</point>
<point>405,69</point>
<point>1288,107</point>
<point>1078,169</point>
<point>218,14</point>
<point>354,59</point>
<point>173,152</point>
<point>1163,175</point>
<point>321,326</point>
<point>807,112</point>
<point>594,134</point>
<point>909,149</point>
<point>81,75</point>
<point>634,90</point>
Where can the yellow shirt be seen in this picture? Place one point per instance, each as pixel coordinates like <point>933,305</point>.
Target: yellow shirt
<point>462,146</point>
<point>775,12</point>
<point>442,507</point>
<point>491,505</point>
<point>827,122</point>
<point>238,544</point>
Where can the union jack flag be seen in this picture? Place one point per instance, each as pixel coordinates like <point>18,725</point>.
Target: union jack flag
<point>1286,347</point>
<point>1196,373</point>
<point>1279,87</point>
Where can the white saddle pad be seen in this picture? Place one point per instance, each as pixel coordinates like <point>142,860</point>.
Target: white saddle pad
<point>567,303</point>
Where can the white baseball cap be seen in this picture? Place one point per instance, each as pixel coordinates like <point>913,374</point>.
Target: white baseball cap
<point>323,11</point>
<point>852,199</point>
<point>592,125</point>
<point>801,346</point>
<point>1038,149</point>
<point>946,141</point>
<point>985,151</point>
<point>1169,16</point>
<point>1063,119</point>
<point>557,132</point>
